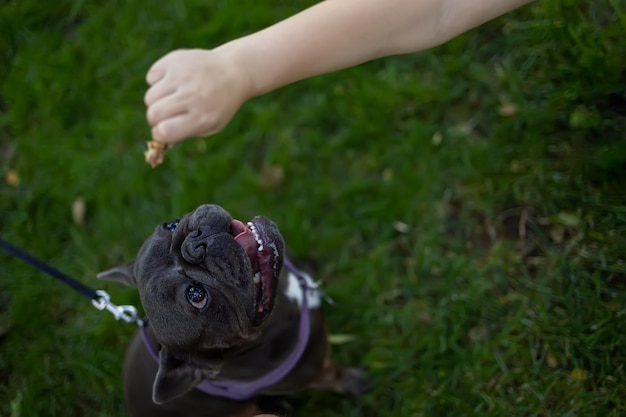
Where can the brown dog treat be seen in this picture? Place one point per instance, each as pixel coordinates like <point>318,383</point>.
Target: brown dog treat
<point>155,154</point>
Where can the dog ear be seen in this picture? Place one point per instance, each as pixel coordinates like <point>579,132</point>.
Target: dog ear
<point>174,378</point>
<point>122,274</point>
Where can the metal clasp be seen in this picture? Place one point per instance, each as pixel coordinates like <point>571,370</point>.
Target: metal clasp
<point>125,313</point>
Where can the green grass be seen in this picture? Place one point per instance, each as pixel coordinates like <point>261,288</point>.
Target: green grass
<point>464,206</point>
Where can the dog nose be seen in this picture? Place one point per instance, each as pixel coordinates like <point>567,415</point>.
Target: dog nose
<point>195,245</point>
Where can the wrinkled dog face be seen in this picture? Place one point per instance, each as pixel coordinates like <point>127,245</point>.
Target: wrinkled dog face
<point>206,280</point>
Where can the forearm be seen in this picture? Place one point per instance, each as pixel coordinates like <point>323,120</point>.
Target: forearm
<point>337,34</point>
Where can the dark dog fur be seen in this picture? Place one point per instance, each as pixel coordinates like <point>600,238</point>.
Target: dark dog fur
<point>213,320</point>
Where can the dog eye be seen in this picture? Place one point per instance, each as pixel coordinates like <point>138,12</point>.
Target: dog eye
<point>197,296</point>
<point>171,226</point>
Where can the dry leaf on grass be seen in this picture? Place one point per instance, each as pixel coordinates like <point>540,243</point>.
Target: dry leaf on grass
<point>272,176</point>
<point>12,178</point>
<point>79,209</point>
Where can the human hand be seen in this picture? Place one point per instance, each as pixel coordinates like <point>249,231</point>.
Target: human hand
<point>193,92</point>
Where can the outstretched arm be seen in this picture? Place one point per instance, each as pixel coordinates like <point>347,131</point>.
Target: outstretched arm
<point>336,34</point>
<point>197,92</point>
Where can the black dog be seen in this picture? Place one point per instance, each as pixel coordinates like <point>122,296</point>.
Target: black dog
<point>226,323</point>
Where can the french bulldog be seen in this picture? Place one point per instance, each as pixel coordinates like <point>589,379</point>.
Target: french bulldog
<point>225,324</point>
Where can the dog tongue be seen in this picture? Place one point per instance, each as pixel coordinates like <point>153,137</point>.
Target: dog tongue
<point>245,238</point>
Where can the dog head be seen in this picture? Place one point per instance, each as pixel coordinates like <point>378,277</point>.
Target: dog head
<point>207,283</point>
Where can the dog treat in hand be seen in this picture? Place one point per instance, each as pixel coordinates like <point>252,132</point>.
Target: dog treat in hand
<point>155,153</point>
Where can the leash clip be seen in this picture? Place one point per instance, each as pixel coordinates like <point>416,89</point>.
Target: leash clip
<point>126,313</point>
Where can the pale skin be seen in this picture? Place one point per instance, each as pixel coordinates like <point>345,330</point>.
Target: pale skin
<point>196,92</point>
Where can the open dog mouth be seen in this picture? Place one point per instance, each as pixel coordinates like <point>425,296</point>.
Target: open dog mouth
<point>259,241</point>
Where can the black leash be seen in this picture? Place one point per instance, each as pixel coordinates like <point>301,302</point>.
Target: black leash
<point>100,299</point>
<point>47,269</point>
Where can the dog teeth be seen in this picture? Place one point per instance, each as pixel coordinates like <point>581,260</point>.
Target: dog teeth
<point>256,236</point>
<point>276,256</point>
<point>257,278</point>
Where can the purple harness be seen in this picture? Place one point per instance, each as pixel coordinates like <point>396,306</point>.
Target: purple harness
<point>240,390</point>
